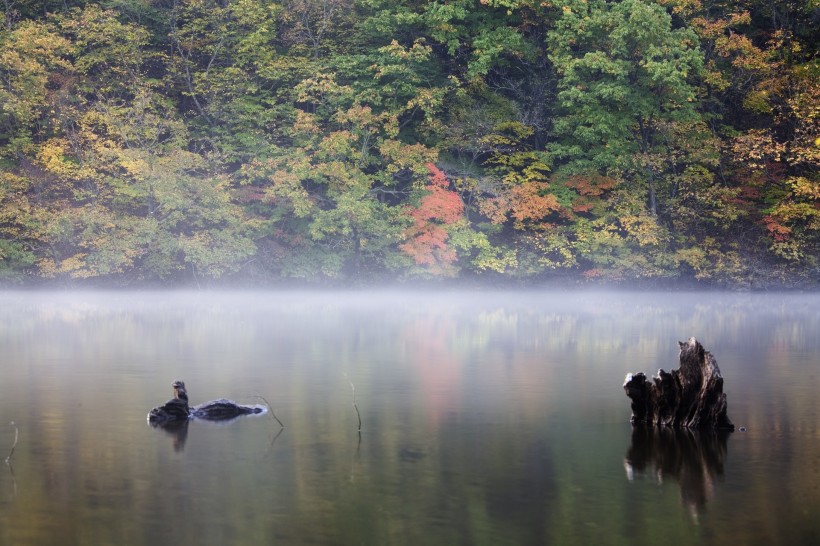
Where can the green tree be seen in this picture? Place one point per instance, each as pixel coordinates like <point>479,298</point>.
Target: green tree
<point>625,80</point>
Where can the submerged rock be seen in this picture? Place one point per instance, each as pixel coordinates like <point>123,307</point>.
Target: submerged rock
<point>691,396</point>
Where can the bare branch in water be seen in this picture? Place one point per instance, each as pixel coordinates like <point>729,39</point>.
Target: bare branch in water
<point>270,408</point>
<point>16,435</point>
<point>358,415</point>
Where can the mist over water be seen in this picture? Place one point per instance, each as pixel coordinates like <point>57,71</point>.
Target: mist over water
<point>487,417</point>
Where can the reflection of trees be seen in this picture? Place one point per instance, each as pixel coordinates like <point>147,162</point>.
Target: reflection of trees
<point>692,458</point>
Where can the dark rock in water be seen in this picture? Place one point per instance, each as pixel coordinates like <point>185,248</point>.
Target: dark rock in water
<point>173,410</point>
<point>177,409</point>
<point>691,396</point>
<point>222,409</point>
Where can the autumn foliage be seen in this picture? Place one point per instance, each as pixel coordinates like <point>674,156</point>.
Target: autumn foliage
<point>593,141</point>
<point>426,239</point>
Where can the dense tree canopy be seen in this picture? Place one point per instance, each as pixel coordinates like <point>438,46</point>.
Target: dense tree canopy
<point>187,141</point>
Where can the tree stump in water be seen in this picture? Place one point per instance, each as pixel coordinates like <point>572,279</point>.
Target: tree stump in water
<point>691,396</point>
<point>177,409</point>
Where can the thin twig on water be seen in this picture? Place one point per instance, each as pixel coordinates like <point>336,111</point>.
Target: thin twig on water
<point>16,435</point>
<point>270,408</point>
<point>276,437</point>
<point>354,404</point>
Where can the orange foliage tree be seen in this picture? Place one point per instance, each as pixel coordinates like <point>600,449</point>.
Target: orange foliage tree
<point>438,211</point>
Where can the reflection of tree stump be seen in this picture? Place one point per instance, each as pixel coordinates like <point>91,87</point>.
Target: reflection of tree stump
<point>692,458</point>
<point>691,396</point>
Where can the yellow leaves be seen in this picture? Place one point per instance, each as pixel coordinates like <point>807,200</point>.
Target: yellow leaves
<point>803,187</point>
<point>52,155</point>
<point>34,41</point>
<point>507,134</point>
<point>399,156</point>
<point>15,208</point>
<point>696,258</point>
<point>644,228</point>
<point>428,100</point>
<point>758,101</point>
<point>286,183</point>
<point>320,88</point>
<point>105,44</point>
<point>361,120</point>
<point>30,55</point>
<point>715,78</point>
<point>338,144</point>
<point>72,266</point>
<point>789,249</point>
<point>306,124</point>
<point>682,7</point>
<point>553,249</point>
<point>803,115</point>
<point>358,115</point>
<point>756,147</point>
<point>709,261</point>
<point>716,29</point>
<point>725,46</point>
<point>134,164</point>
<point>418,52</point>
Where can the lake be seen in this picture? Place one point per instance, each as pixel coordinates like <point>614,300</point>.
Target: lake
<point>486,418</point>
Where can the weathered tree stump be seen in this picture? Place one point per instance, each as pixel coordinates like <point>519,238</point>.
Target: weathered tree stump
<point>177,409</point>
<point>691,396</point>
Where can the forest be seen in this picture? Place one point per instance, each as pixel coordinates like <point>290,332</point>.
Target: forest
<point>202,142</point>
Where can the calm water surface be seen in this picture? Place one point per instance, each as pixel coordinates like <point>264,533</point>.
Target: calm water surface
<point>487,418</point>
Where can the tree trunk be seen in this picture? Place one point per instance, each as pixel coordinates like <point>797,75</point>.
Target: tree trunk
<point>690,397</point>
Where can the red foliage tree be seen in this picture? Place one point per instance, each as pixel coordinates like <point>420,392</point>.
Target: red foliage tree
<point>426,239</point>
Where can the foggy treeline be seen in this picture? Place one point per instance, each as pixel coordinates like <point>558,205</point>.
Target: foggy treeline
<point>168,141</point>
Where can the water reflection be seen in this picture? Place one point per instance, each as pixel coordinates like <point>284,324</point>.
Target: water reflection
<point>178,430</point>
<point>486,419</point>
<point>695,459</point>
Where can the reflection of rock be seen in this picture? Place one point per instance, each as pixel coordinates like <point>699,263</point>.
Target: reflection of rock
<point>691,396</point>
<point>178,429</point>
<point>693,458</point>
<point>174,416</point>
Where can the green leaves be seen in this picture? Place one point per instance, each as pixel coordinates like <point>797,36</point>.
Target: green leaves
<point>624,71</point>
